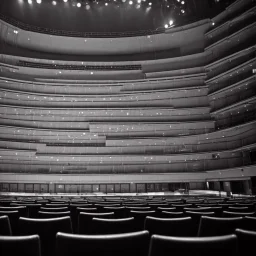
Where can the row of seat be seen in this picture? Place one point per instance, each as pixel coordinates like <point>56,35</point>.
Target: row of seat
<point>135,243</point>
<point>79,212</point>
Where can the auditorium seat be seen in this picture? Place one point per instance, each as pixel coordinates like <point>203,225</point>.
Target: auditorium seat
<point>46,229</point>
<point>20,245</point>
<point>168,209</point>
<point>196,217</point>
<point>112,226</point>
<point>48,215</point>
<point>85,220</point>
<point>119,211</point>
<point>21,209</point>
<point>168,214</point>
<point>169,226</point>
<point>215,226</point>
<point>237,214</point>
<point>246,241</point>
<point>200,246</point>
<point>56,205</point>
<point>32,208</point>
<point>140,216</point>
<point>14,220</point>
<point>5,226</point>
<point>128,244</point>
<point>56,209</point>
<point>238,209</point>
<point>249,223</point>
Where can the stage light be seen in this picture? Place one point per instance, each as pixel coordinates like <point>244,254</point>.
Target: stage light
<point>30,1</point>
<point>54,2</point>
<point>182,2</point>
<point>137,6</point>
<point>139,1</point>
<point>183,11</point>
<point>65,1</point>
<point>130,2</point>
<point>78,5</point>
<point>149,3</point>
<point>87,7</point>
<point>166,26</point>
<point>106,4</point>
<point>39,1</point>
<point>171,22</point>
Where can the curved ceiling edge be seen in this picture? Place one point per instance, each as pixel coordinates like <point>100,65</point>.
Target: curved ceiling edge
<point>185,39</point>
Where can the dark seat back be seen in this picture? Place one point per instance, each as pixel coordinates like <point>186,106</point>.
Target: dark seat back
<point>14,220</point>
<point>215,226</point>
<point>5,226</point>
<point>46,229</point>
<point>113,226</point>
<point>246,241</point>
<point>48,215</point>
<point>85,221</point>
<point>201,246</point>
<point>135,244</point>
<point>169,227</point>
<point>20,245</point>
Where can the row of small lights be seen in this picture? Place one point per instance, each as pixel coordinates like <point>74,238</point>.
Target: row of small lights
<point>169,25</point>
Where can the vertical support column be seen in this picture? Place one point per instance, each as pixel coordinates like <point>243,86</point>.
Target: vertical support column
<point>247,187</point>
<point>227,187</point>
<point>216,185</point>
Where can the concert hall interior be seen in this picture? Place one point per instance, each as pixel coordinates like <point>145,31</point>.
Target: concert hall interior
<point>127,116</point>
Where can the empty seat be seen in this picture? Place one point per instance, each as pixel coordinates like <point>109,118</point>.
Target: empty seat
<point>5,226</point>
<point>56,205</point>
<point>20,245</point>
<point>129,244</point>
<point>85,221</point>
<point>46,229</point>
<point>56,209</point>
<point>215,226</point>
<point>14,220</point>
<point>196,217</point>
<point>23,212</point>
<point>237,214</point>
<point>168,214</point>
<point>31,208</point>
<point>48,215</point>
<point>238,209</point>
<point>119,212</point>
<point>139,218</point>
<point>249,223</point>
<point>169,227</point>
<point>246,241</point>
<point>200,246</point>
<point>112,226</point>
<point>169,209</point>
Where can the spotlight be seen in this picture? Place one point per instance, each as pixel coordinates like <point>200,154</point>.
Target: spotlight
<point>130,2</point>
<point>150,3</point>
<point>78,5</point>
<point>65,1</point>
<point>87,7</point>
<point>106,4</point>
<point>182,2</point>
<point>30,1</point>
<point>171,22</point>
<point>39,1</point>
<point>54,2</point>
<point>166,26</point>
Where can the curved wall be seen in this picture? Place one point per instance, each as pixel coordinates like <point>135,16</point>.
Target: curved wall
<point>190,118</point>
